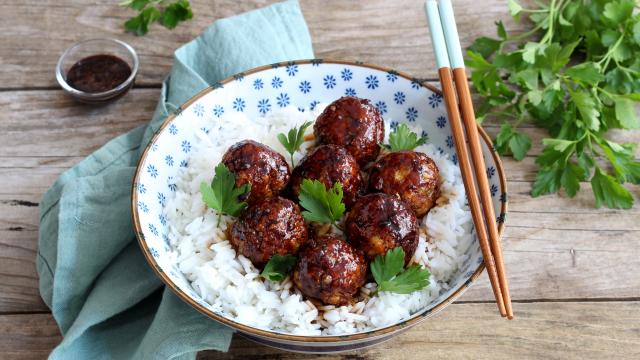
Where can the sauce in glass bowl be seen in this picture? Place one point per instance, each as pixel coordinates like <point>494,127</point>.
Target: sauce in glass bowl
<point>98,73</point>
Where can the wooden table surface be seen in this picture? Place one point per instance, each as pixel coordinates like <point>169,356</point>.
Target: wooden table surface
<point>574,270</point>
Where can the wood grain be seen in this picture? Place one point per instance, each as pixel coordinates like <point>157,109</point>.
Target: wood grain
<point>572,268</point>
<point>35,33</point>
<point>28,336</point>
<point>48,123</point>
<point>550,330</point>
<point>470,331</point>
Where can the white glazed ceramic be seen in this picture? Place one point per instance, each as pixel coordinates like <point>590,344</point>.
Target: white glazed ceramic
<point>303,84</point>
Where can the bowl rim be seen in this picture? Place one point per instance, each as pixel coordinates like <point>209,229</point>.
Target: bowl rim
<point>62,81</point>
<point>378,332</point>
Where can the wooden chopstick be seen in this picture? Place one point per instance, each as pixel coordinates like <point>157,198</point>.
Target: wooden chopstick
<point>468,115</point>
<point>451,103</point>
<point>469,118</point>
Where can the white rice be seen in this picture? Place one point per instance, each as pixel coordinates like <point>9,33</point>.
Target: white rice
<point>230,283</point>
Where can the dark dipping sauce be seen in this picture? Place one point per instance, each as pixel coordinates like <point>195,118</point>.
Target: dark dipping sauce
<point>98,73</point>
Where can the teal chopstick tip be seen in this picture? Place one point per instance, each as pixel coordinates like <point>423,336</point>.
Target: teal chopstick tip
<point>437,36</point>
<point>451,34</point>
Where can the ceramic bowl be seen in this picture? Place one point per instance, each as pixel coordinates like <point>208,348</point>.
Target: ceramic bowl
<point>303,84</point>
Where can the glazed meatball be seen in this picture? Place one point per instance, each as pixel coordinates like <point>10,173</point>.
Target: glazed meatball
<point>329,164</point>
<point>269,227</point>
<point>330,269</point>
<point>352,123</point>
<point>253,163</point>
<point>380,222</point>
<point>413,176</point>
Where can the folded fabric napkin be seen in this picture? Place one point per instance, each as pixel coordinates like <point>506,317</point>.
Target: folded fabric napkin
<point>105,298</point>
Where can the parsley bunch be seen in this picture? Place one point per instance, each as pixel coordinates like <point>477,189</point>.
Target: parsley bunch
<point>576,73</point>
<point>169,14</point>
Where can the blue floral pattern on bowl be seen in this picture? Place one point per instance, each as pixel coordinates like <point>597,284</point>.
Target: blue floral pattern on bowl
<point>302,84</point>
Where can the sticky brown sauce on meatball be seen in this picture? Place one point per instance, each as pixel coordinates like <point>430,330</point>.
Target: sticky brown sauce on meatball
<point>331,270</point>
<point>413,176</point>
<point>269,227</point>
<point>329,164</point>
<point>253,163</point>
<point>354,124</point>
<point>380,222</point>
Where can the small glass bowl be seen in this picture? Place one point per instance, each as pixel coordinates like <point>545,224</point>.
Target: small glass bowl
<point>86,48</point>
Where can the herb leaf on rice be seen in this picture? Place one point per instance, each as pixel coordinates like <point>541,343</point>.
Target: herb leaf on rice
<point>223,195</point>
<point>278,267</point>
<point>388,272</point>
<point>294,139</point>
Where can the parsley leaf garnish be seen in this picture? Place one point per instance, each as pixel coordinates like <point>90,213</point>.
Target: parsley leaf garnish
<point>151,11</point>
<point>321,204</point>
<point>576,74</point>
<point>411,279</point>
<point>402,138</point>
<point>278,267</point>
<point>222,195</point>
<point>294,140</point>
<point>384,268</point>
<point>388,272</point>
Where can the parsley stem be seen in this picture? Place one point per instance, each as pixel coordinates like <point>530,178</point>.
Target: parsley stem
<point>534,11</point>
<point>620,66</point>
<point>607,57</point>
<point>593,151</point>
<point>521,36</point>
<point>504,113</point>
<point>572,149</point>
<point>219,218</point>
<point>550,21</point>
<point>605,92</point>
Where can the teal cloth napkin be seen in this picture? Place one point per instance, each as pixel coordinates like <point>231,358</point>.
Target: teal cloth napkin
<point>105,298</point>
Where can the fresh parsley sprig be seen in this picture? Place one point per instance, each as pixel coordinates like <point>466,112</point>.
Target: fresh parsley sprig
<point>278,267</point>
<point>294,139</point>
<point>167,13</point>
<point>388,272</point>
<point>576,74</point>
<point>402,138</point>
<point>222,195</point>
<point>321,204</point>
